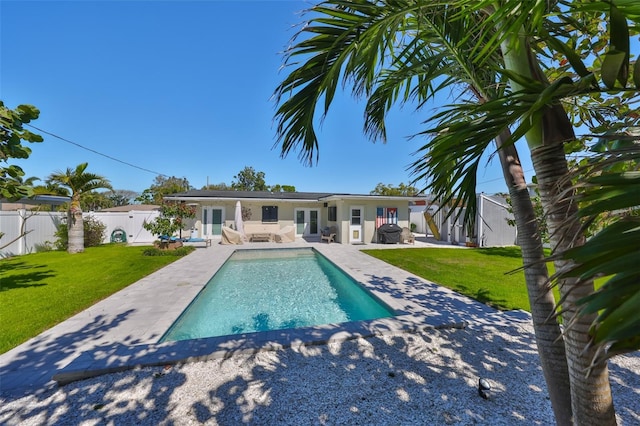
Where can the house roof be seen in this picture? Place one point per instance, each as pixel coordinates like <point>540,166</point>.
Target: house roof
<point>53,200</point>
<point>201,195</point>
<point>44,199</point>
<point>497,198</point>
<point>249,194</point>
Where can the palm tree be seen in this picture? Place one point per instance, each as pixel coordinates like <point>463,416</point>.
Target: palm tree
<point>51,188</point>
<point>78,182</point>
<point>451,60</point>
<point>369,44</point>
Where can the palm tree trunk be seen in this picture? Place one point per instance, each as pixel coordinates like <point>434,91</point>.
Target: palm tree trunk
<point>591,399</point>
<point>551,349</point>
<point>75,226</point>
<point>592,402</point>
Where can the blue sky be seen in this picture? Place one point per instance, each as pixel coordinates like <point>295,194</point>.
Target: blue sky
<point>184,89</point>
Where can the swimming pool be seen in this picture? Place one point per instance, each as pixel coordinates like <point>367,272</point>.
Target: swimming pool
<point>274,289</point>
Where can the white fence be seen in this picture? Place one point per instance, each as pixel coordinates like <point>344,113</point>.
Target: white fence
<point>492,228</point>
<point>41,227</point>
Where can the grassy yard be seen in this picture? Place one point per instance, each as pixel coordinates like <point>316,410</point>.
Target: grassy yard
<point>482,274</point>
<point>40,290</point>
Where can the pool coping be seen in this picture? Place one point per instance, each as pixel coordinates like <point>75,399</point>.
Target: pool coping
<point>121,332</point>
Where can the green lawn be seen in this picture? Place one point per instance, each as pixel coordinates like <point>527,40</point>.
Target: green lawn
<point>40,290</point>
<point>483,274</point>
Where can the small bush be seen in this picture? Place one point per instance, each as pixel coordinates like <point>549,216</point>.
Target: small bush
<point>182,251</point>
<point>46,246</point>
<point>94,234</point>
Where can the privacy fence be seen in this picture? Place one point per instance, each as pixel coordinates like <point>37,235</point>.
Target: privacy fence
<point>40,228</point>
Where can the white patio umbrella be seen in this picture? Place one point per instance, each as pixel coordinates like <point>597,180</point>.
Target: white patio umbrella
<point>238,217</point>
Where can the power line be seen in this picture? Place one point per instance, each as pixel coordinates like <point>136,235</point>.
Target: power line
<point>94,151</point>
<point>497,179</point>
<point>154,172</point>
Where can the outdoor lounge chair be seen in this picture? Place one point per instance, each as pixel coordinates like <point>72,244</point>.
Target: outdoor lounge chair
<point>206,241</point>
<point>329,234</point>
<point>407,236</point>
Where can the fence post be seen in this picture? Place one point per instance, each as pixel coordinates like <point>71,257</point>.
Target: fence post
<point>22,241</point>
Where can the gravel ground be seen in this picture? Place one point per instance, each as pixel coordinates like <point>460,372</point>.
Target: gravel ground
<point>430,377</point>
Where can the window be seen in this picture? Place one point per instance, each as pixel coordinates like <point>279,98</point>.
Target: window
<point>356,216</point>
<point>269,213</point>
<point>333,216</point>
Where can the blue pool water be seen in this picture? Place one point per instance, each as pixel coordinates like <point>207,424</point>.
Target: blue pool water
<point>261,290</point>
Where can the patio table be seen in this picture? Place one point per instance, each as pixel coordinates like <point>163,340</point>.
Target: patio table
<point>261,238</point>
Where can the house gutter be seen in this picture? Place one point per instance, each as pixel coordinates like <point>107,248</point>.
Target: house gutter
<point>298,200</point>
<point>233,199</point>
<point>369,197</point>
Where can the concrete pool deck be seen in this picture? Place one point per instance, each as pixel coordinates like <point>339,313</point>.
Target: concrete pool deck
<point>121,332</point>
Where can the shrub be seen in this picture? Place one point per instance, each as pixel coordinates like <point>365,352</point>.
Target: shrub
<point>94,233</point>
<point>45,246</point>
<point>182,251</point>
<point>171,219</point>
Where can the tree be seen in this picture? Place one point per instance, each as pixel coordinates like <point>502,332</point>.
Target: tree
<point>51,188</point>
<point>442,50</point>
<point>282,188</point>
<point>12,133</point>
<point>539,215</point>
<point>547,129</point>
<point>122,197</point>
<point>78,182</point>
<point>171,219</point>
<point>606,185</point>
<point>163,185</point>
<point>390,51</point>
<point>94,201</point>
<point>402,189</point>
<point>217,187</point>
<point>249,180</point>
<point>13,185</point>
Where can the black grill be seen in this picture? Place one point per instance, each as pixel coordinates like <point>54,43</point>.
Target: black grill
<point>389,233</point>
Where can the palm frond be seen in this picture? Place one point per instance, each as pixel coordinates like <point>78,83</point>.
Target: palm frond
<point>609,186</point>
<point>347,42</point>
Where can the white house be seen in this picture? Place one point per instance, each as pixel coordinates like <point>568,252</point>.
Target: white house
<point>356,217</point>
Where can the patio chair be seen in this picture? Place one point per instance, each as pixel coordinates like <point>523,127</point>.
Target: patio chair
<point>407,236</point>
<point>329,234</point>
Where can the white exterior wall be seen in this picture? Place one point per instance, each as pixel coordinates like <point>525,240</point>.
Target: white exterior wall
<point>416,216</point>
<point>369,231</point>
